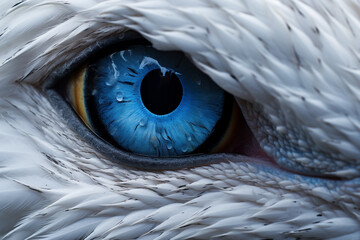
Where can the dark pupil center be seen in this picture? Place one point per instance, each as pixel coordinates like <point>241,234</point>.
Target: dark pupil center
<point>161,94</point>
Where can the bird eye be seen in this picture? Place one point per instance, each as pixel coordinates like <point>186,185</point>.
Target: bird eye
<point>147,108</point>
<point>149,102</point>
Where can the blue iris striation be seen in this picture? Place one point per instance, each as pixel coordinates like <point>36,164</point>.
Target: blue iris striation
<point>117,94</point>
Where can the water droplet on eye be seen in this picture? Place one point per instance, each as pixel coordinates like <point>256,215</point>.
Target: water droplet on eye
<point>184,149</point>
<point>110,82</point>
<point>169,145</point>
<point>143,122</point>
<point>120,97</point>
<point>198,82</point>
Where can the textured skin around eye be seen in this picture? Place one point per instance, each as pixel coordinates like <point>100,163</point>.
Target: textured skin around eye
<point>292,149</point>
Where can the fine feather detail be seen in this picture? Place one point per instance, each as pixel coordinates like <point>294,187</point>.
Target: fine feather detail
<point>295,63</point>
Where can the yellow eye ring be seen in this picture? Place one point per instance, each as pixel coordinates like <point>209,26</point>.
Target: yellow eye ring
<point>75,90</point>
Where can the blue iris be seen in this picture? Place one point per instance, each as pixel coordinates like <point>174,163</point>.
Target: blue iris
<point>151,102</point>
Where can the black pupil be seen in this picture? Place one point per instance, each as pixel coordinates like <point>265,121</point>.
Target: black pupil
<point>161,94</point>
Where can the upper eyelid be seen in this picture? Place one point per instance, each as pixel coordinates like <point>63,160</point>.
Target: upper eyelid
<point>91,52</point>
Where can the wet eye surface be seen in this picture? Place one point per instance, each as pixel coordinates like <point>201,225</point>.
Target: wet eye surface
<point>149,109</point>
<point>150,102</point>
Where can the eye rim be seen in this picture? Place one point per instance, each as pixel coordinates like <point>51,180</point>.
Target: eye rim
<point>102,48</point>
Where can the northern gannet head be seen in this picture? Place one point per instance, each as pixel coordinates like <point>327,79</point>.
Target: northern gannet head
<point>293,67</point>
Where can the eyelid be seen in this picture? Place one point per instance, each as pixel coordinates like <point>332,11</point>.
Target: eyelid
<point>101,48</point>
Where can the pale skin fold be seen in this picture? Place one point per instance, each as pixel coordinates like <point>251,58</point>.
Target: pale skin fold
<point>295,63</point>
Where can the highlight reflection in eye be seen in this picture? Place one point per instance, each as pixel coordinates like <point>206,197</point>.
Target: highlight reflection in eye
<point>152,103</point>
